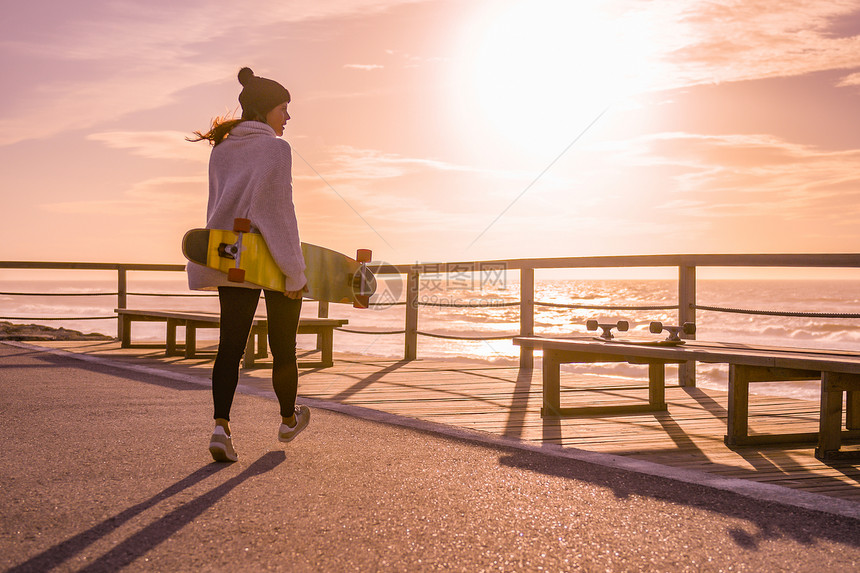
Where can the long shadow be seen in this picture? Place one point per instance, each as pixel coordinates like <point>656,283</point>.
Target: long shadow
<point>408,385</point>
<point>684,442</point>
<point>67,549</point>
<point>152,379</point>
<point>159,531</point>
<point>707,403</point>
<point>752,454</point>
<point>368,380</point>
<point>770,520</point>
<point>677,434</point>
<point>26,366</point>
<point>551,428</point>
<point>517,415</point>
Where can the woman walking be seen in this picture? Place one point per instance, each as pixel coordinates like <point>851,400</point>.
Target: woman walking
<point>250,176</point>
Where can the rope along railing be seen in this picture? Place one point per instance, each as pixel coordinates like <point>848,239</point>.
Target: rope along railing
<point>776,312</point>
<point>111,317</point>
<point>452,337</point>
<point>187,295</point>
<point>351,331</point>
<point>76,294</point>
<point>486,304</point>
<point>605,307</point>
<point>490,304</point>
<point>429,334</point>
<point>59,293</point>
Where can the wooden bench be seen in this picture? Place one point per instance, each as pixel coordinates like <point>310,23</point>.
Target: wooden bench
<point>256,348</point>
<point>839,373</point>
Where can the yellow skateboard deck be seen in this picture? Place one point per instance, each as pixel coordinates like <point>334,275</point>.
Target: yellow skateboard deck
<point>244,257</point>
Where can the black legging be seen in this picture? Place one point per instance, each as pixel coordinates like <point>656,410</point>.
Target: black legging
<point>238,306</point>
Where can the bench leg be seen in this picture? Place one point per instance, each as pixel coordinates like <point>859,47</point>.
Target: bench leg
<point>830,418</point>
<point>657,385</point>
<point>248,360</point>
<point>852,410</point>
<point>326,343</point>
<point>737,424</point>
<point>322,312</point>
<point>262,342</point>
<point>126,332</point>
<point>551,384</point>
<point>170,337</point>
<point>190,340</point>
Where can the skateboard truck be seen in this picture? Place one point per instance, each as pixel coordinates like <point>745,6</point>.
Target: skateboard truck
<point>234,250</point>
<point>363,278</point>
<point>674,331</point>
<point>621,325</point>
<point>228,251</point>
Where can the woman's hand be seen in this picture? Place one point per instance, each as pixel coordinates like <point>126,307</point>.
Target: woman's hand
<point>296,294</point>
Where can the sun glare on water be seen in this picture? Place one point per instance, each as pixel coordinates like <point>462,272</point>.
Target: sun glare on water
<point>544,70</point>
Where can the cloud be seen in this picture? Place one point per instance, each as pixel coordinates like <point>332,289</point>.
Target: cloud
<point>156,197</point>
<point>364,67</point>
<point>345,162</point>
<point>738,40</point>
<point>755,176</point>
<point>155,144</point>
<point>107,60</point>
<point>401,196</point>
<point>413,61</point>
<point>850,80</point>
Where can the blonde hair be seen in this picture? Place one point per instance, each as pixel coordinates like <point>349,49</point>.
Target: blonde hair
<point>219,129</point>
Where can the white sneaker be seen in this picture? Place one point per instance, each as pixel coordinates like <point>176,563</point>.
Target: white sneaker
<point>303,416</point>
<point>221,446</point>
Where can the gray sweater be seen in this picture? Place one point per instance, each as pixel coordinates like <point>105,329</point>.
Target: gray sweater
<point>250,176</point>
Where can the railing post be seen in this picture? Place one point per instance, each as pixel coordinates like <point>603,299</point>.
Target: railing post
<point>527,314</point>
<point>121,297</point>
<point>687,313</point>
<point>411,346</point>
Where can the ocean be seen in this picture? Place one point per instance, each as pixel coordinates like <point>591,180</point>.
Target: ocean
<point>483,310</point>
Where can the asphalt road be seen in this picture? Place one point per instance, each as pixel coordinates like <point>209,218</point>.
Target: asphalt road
<point>106,469</point>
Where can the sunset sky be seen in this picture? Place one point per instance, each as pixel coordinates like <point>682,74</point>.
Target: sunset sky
<point>442,130</point>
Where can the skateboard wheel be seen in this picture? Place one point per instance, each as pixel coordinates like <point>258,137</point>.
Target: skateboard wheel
<point>656,327</point>
<point>242,225</point>
<point>689,328</point>
<point>363,255</point>
<point>361,301</point>
<point>235,275</point>
<point>591,325</point>
<point>623,325</point>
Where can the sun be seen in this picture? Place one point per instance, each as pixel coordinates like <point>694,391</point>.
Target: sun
<point>544,70</point>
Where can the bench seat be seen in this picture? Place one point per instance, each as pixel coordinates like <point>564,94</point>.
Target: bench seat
<point>839,372</point>
<point>256,348</point>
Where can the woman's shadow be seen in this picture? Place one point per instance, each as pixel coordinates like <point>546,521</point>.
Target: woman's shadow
<point>155,533</point>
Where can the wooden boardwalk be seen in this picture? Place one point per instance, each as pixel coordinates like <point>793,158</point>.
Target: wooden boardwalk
<point>505,401</point>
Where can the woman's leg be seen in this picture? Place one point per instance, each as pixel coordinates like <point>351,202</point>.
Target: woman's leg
<point>237,313</point>
<point>283,315</point>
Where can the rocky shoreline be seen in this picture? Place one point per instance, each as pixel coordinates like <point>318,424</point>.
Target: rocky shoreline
<point>23,332</point>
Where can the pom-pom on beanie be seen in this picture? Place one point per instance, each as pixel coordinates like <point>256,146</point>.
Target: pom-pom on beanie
<point>259,95</point>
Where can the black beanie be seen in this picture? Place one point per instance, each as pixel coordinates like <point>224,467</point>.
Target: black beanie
<point>259,95</point>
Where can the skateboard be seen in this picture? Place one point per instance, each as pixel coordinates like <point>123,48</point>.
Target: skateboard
<point>244,257</point>
<point>674,338</point>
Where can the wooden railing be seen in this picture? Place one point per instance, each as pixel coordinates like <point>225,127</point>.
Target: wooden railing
<point>687,266</point>
<point>121,269</point>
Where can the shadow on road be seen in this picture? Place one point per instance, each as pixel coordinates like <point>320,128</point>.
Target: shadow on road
<point>155,533</point>
<point>769,520</point>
